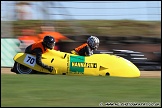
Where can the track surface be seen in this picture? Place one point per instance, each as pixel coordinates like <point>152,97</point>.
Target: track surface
<point>149,74</point>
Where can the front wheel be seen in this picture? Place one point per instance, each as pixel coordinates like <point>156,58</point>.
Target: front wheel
<point>21,69</point>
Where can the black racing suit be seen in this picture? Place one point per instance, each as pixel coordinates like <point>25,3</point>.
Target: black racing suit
<point>38,52</point>
<point>83,50</point>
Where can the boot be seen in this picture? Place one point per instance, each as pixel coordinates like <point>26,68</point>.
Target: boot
<point>12,69</point>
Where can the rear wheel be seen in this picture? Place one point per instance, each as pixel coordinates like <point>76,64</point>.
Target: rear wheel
<point>21,69</point>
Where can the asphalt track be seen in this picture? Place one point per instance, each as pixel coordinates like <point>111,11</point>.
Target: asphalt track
<point>147,74</point>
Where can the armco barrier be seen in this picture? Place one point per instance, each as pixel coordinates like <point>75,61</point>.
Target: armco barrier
<point>9,47</point>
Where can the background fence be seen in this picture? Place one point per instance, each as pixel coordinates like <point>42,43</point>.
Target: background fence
<point>76,10</point>
<point>109,10</point>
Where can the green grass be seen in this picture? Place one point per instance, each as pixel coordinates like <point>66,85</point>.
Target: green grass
<point>59,90</point>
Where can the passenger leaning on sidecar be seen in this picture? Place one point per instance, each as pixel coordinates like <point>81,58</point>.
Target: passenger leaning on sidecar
<point>86,49</point>
<point>39,48</point>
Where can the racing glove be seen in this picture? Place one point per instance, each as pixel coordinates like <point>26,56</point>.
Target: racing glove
<point>50,68</point>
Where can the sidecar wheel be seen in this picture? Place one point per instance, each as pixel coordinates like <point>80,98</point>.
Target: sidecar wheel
<point>21,69</point>
<point>107,74</point>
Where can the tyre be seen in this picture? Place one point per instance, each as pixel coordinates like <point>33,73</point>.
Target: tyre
<point>21,69</point>
<point>107,74</point>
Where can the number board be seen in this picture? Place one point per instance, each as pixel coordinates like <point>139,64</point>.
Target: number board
<point>30,60</point>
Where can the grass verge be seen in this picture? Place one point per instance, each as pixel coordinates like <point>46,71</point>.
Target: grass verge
<point>76,91</point>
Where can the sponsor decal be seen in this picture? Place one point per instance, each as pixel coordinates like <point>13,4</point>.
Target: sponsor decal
<point>77,64</point>
<point>84,65</point>
<point>30,60</point>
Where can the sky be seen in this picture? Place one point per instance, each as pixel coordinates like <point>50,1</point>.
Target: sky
<point>90,10</point>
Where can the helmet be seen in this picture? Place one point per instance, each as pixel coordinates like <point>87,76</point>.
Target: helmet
<point>93,42</point>
<point>49,42</point>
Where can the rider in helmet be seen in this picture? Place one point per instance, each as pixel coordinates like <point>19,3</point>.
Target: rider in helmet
<point>86,49</point>
<point>49,42</point>
<point>39,48</point>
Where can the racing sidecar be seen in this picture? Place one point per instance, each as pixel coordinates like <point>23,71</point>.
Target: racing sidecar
<point>69,64</point>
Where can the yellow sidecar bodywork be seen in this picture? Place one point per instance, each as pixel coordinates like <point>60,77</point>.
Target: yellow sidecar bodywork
<point>70,64</point>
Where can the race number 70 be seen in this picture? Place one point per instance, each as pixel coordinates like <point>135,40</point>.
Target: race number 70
<point>30,60</point>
